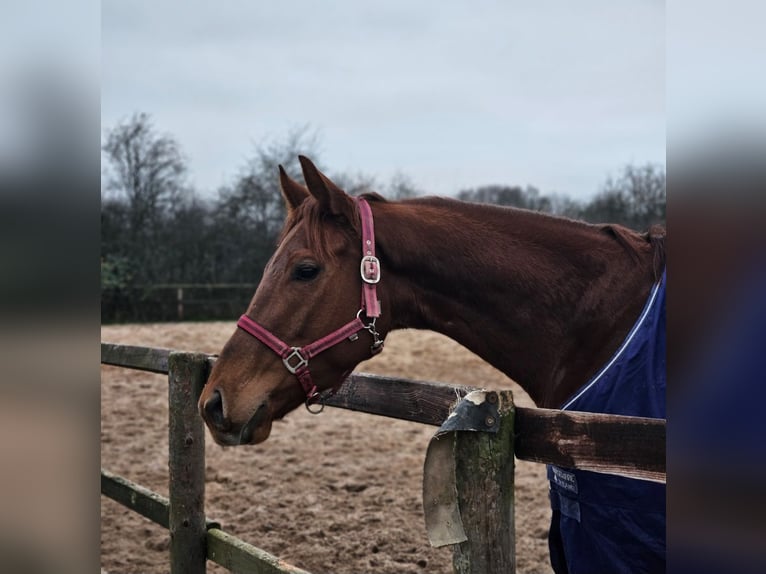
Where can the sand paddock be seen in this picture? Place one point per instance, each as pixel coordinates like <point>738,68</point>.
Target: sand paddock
<point>336,493</point>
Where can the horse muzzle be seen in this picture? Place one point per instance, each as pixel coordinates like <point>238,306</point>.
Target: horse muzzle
<point>226,432</point>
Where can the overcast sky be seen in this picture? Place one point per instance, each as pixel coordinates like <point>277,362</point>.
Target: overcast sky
<point>453,94</point>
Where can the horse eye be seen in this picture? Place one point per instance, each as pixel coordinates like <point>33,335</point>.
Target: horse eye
<point>305,272</point>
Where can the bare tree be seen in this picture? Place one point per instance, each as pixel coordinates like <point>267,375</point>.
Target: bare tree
<point>146,168</point>
<point>636,198</point>
<point>563,205</point>
<point>355,183</point>
<point>401,186</point>
<point>514,196</point>
<point>250,211</point>
<point>645,187</point>
<point>146,172</point>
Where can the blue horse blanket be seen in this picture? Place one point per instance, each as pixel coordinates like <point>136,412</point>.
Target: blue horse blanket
<point>606,524</point>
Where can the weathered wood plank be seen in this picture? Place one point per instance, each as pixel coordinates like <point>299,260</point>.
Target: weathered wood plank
<point>186,463</point>
<point>140,499</point>
<point>484,479</point>
<point>240,557</point>
<point>222,548</point>
<point>628,446</point>
<point>419,401</point>
<point>142,358</point>
<point>635,447</point>
<point>145,502</point>
<point>576,440</point>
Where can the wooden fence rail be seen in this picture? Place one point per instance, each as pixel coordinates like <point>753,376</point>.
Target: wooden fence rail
<point>177,301</point>
<point>193,538</point>
<point>629,446</point>
<point>222,548</point>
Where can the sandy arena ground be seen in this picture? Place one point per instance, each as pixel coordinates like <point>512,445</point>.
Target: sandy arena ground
<point>334,493</point>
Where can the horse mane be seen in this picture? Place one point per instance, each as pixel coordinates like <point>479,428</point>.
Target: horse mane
<point>318,235</point>
<point>629,240</point>
<point>656,238</point>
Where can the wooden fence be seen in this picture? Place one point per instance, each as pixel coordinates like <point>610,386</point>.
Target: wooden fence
<point>174,301</point>
<point>628,446</point>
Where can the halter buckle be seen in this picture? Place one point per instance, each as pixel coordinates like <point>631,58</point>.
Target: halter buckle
<point>370,269</point>
<point>294,367</point>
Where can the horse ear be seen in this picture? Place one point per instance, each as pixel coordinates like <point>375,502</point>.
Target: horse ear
<point>331,198</point>
<point>293,192</point>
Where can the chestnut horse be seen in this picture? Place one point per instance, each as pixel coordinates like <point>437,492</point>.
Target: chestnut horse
<point>544,299</point>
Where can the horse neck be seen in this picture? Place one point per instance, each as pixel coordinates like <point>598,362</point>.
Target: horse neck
<point>545,300</point>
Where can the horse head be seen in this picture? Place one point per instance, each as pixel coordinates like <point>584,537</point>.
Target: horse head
<point>305,329</point>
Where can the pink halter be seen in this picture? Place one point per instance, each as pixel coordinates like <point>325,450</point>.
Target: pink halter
<point>296,359</point>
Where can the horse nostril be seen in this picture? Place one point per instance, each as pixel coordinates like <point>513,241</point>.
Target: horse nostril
<point>214,411</point>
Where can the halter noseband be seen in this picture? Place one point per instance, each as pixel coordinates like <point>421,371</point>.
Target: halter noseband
<point>296,359</point>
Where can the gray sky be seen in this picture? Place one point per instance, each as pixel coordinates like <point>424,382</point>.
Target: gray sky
<point>453,94</point>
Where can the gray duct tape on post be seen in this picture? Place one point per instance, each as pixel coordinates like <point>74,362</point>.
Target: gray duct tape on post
<point>477,412</point>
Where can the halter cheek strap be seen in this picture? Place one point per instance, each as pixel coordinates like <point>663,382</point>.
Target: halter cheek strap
<point>296,359</point>
<point>370,266</point>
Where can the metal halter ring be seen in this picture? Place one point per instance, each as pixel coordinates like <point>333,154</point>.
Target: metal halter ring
<point>308,406</point>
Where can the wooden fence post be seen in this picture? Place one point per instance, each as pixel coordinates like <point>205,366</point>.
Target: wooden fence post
<point>484,468</point>
<point>187,373</point>
<point>180,301</point>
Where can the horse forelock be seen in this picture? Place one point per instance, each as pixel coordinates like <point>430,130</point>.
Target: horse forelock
<point>318,226</point>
